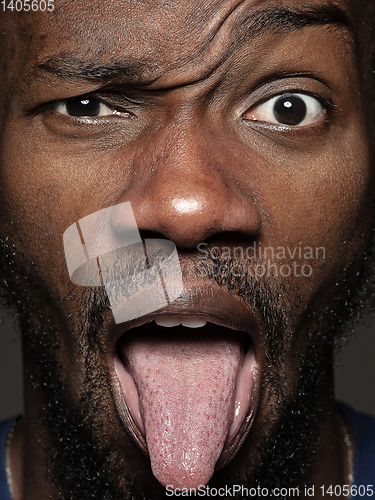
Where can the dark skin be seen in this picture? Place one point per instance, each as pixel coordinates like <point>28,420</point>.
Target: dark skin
<point>183,137</point>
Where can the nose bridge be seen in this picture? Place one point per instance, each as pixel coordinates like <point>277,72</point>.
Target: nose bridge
<point>189,153</point>
<point>188,193</point>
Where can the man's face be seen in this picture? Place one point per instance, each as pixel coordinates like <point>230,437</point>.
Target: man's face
<point>227,125</point>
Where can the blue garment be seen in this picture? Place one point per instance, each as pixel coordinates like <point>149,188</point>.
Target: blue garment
<point>4,428</point>
<point>364,464</point>
<point>364,435</point>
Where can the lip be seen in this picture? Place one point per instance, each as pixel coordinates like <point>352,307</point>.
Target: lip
<point>211,304</point>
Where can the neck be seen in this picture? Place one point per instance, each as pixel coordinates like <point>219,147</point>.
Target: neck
<point>334,457</point>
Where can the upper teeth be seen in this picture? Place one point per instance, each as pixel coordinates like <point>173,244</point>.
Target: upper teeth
<point>189,322</point>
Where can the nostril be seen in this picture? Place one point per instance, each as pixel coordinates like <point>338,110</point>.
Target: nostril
<point>152,235</point>
<point>232,238</point>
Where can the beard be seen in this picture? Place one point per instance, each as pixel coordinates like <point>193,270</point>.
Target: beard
<point>86,461</point>
<point>84,467</point>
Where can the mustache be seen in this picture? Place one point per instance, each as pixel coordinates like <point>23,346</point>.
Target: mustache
<point>262,292</point>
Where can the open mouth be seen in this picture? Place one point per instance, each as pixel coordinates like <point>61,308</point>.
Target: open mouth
<point>188,387</point>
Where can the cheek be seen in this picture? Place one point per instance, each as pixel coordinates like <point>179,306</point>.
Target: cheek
<point>45,187</point>
<point>325,203</point>
<point>40,197</point>
<point>321,219</point>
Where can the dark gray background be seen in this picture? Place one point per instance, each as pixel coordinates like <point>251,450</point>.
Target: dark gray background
<point>355,370</point>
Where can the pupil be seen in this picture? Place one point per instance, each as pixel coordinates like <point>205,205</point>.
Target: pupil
<point>290,110</point>
<point>83,106</point>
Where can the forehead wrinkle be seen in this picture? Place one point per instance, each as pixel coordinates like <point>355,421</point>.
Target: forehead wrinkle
<point>245,27</point>
<point>225,33</point>
<point>67,66</point>
<point>96,61</point>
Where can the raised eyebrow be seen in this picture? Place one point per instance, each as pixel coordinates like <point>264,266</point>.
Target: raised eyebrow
<point>290,19</point>
<point>259,22</point>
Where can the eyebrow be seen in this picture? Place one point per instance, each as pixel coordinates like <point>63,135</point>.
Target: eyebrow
<point>70,68</point>
<point>290,19</point>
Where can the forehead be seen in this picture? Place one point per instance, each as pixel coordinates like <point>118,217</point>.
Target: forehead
<point>162,35</point>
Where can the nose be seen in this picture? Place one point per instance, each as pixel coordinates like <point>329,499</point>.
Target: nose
<point>185,187</point>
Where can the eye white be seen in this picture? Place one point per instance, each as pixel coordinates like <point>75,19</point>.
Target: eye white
<point>290,109</point>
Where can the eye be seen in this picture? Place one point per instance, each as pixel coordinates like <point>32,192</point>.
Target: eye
<point>85,107</point>
<point>287,109</point>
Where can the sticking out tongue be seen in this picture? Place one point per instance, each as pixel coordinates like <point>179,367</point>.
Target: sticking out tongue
<point>186,390</point>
